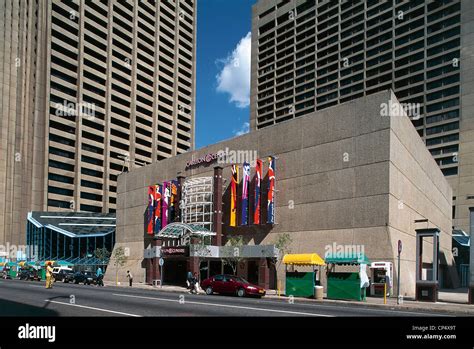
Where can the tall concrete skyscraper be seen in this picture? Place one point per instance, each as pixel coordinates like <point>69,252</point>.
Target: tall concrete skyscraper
<point>89,89</point>
<point>309,55</point>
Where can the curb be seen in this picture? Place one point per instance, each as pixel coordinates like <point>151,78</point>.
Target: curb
<point>416,307</point>
<point>461,311</point>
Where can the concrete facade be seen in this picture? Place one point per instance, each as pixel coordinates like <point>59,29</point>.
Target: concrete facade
<point>309,55</point>
<point>89,89</point>
<point>465,197</point>
<point>22,122</point>
<point>344,175</point>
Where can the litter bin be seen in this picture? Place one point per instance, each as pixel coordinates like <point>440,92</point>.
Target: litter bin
<point>318,292</point>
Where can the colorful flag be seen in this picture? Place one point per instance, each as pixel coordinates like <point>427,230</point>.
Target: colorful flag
<point>173,200</point>
<point>271,191</point>
<point>233,195</point>
<point>165,204</point>
<point>258,181</point>
<point>245,193</point>
<point>150,210</point>
<point>157,208</point>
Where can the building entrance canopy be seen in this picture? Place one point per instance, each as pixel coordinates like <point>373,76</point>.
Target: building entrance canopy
<point>181,230</point>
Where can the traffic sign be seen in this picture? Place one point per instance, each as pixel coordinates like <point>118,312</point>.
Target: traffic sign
<point>161,262</point>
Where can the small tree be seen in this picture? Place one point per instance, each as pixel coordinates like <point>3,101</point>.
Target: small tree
<point>283,243</point>
<point>119,260</point>
<point>102,254</point>
<point>233,252</point>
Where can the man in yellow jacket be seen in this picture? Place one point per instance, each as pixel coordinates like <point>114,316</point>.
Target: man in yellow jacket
<point>49,275</point>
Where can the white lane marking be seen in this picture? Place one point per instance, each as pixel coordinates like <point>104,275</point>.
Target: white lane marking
<point>367,308</point>
<point>224,305</point>
<point>37,286</point>
<point>93,308</point>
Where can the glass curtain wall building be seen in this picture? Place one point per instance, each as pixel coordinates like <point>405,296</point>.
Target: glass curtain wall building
<point>91,89</point>
<point>69,237</point>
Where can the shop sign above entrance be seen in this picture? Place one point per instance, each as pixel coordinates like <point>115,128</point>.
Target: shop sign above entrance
<point>175,251</point>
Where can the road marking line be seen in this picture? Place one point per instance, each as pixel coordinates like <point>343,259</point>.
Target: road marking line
<point>38,286</point>
<point>93,308</point>
<point>225,305</point>
<point>354,307</point>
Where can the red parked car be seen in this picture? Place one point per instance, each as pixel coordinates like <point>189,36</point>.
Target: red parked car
<point>230,284</point>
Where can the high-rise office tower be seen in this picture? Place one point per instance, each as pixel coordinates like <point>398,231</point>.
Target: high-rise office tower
<point>89,89</point>
<point>308,55</point>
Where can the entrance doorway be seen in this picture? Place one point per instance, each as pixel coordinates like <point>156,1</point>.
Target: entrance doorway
<point>203,270</point>
<point>174,272</point>
<point>215,267</point>
<point>252,272</point>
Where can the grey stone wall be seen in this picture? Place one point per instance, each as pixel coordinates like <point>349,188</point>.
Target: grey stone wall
<point>340,173</point>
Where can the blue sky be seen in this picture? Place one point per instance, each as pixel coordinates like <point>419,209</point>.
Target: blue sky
<point>222,72</point>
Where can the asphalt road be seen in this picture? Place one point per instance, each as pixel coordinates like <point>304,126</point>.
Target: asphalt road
<point>30,298</point>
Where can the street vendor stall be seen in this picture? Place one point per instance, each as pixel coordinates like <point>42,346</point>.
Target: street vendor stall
<point>347,285</point>
<point>39,270</point>
<point>302,284</point>
<point>9,270</point>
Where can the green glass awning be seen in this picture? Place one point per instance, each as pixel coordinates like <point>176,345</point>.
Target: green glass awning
<point>346,258</point>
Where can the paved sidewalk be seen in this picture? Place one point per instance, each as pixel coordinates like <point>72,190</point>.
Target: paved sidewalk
<point>451,303</point>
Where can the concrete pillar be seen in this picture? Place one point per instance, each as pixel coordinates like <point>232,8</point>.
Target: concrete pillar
<point>217,200</point>
<point>149,270</point>
<point>193,265</point>
<point>155,265</point>
<point>263,273</point>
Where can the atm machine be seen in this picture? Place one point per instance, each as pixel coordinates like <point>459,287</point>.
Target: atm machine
<point>380,272</point>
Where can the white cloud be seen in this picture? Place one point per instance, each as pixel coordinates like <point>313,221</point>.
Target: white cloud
<point>243,130</point>
<point>234,78</point>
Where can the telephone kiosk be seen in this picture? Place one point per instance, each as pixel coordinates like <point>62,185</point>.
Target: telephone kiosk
<point>381,274</point>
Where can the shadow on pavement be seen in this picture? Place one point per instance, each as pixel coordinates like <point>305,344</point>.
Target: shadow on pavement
<point>10,308</point>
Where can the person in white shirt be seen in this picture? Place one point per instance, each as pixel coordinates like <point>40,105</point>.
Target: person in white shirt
<point>130,278</point>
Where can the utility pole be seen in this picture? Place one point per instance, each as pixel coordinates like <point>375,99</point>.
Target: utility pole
<point>398,271</point>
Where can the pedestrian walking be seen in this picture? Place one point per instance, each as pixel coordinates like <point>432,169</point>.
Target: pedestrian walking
<point>49,275</point>
<point>194,284</point>
<point>100,277</point>
<point>130,278</point>
<point>189,279</point>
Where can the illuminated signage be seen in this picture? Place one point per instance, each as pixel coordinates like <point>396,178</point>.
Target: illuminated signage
<point>175,251</point>
<point>206,159</point>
